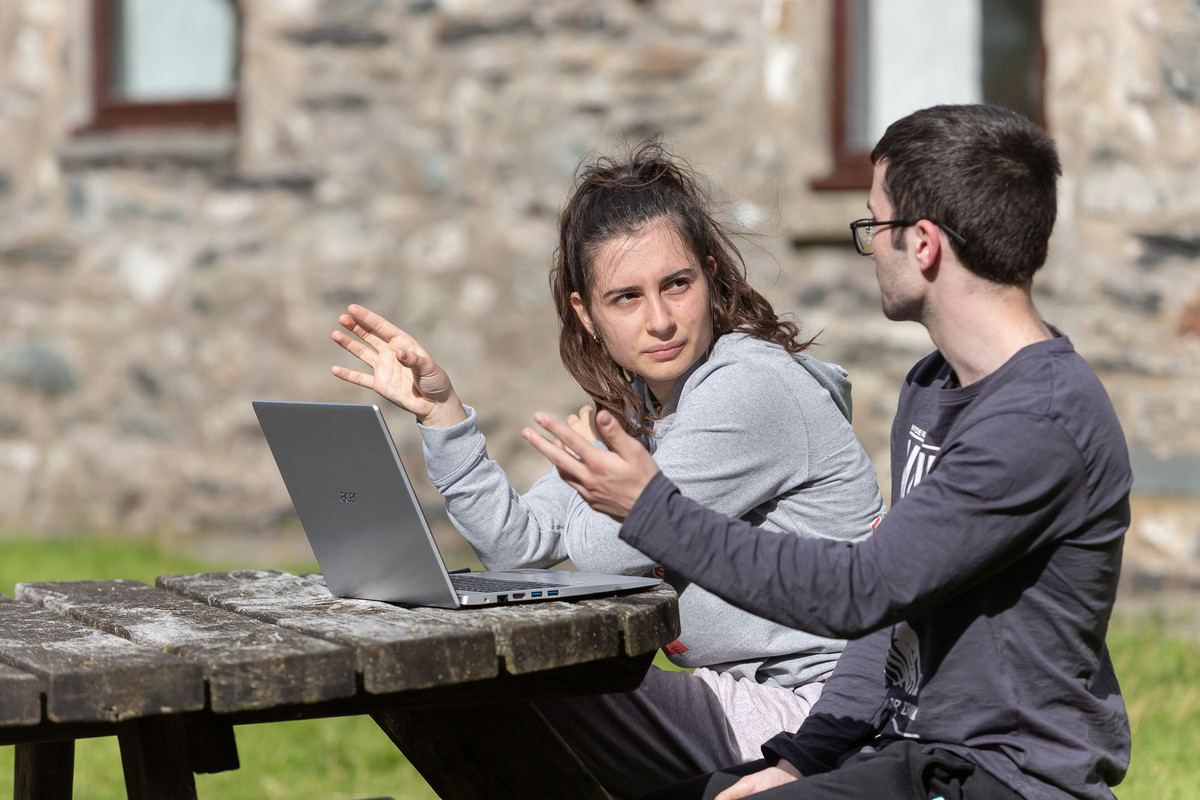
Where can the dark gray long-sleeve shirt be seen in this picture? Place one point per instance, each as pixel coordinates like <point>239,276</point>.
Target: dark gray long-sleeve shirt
<point>990,582</point>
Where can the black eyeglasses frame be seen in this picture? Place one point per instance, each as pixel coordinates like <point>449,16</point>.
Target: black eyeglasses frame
<point>870,223</point>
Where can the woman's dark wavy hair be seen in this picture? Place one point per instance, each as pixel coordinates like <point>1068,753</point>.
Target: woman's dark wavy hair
<point>619,197</point>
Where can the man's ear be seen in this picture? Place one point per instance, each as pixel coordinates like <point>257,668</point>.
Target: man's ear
<point>581,311</point>
<point>927,244</point>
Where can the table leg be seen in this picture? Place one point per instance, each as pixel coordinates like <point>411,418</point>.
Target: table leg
<point>512,752</point>
<point>211,744</point>
<point>154,754</point>
<point>44,771</point>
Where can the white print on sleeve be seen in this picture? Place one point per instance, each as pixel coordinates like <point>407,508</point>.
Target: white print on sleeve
<point>903,677</point>
<point>919,460</point>
<point>903,670</point>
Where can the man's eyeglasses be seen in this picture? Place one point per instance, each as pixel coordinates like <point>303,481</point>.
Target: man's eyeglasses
<point>864,231</point>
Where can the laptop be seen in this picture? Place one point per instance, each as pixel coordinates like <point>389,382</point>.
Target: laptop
<point>366,527</point>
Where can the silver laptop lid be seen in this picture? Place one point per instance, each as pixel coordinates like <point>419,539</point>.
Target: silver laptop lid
<point>355,502</point>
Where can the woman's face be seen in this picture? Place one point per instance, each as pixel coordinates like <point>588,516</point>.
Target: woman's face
<point>650,306</point>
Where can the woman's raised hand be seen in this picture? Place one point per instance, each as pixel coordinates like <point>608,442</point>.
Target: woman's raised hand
<point>401,370</point>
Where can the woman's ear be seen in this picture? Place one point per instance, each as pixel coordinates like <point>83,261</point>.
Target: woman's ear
<point>581,311</point>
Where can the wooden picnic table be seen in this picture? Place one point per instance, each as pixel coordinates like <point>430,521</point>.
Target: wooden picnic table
<point>170,670</point>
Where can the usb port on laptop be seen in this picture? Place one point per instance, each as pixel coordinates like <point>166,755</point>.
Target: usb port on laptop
<point>551,592</point>
<point>535,594</point>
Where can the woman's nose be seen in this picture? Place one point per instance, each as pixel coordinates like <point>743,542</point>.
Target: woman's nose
<point>658,316</point>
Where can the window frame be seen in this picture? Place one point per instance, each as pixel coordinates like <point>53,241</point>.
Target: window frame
<point>111,112</point>
<point>852,167</point>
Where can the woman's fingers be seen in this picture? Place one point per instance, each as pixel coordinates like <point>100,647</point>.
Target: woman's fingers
<point>356,348</point>
<point>353,376</point>
<point>373,325</point>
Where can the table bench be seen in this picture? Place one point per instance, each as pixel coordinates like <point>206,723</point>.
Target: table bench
<point>170,670</point>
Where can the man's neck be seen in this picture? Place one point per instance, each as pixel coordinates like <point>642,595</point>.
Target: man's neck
<point>980,330</point>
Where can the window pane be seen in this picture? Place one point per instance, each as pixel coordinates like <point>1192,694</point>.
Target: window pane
<point>1010,74</point>
<point>916,53</point>
<point>175,50</point>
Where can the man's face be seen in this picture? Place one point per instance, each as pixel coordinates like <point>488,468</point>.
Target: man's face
<point>898,277</point>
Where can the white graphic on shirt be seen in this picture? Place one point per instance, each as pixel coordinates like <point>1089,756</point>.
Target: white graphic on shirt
<point>903,672</point>
<point>918,461</point>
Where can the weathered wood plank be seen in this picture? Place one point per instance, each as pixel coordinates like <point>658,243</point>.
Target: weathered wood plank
<point>648,619</point>
<point>512,752</point>
<point>247,664</point>
<point>20,697</point>
<point>396,649</point>
<point>87,675</point>
<point>20,692</point>
<point>531,637</point>
<point>539,636</point>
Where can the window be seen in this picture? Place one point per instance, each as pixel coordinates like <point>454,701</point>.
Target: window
<point>159,63</point>
<point>892,57</point>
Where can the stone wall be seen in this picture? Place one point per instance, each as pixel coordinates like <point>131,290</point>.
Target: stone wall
<point>412,155</point>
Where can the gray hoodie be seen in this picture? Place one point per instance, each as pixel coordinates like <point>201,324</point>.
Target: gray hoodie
<point>751,432</point>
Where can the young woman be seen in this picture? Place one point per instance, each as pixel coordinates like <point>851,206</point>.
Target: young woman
<point>660,327</point>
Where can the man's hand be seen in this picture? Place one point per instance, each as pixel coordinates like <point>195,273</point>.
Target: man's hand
<point>609,481</point>
<point>769,778</point>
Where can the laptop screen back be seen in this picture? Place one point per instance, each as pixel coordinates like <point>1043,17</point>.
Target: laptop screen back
<point>355,502</point>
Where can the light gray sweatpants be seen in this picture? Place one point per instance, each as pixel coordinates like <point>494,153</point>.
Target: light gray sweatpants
<point>675,725</point>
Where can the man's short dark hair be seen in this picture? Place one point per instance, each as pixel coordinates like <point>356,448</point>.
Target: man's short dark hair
<point>987,173</point>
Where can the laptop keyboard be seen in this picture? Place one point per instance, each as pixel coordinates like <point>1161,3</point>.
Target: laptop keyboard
<point>475,583</point>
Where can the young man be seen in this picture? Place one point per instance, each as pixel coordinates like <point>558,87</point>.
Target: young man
<point>980,606</point>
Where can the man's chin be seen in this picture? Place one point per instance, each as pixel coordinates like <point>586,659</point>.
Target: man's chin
<point>902,312</point>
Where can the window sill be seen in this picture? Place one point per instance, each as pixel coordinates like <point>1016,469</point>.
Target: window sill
<point>826,222</point>
<point>194,147</point>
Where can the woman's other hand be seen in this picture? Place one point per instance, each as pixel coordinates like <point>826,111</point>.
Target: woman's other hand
<point>769,778</point>
<point>584,424</point>
<point>401,371</point>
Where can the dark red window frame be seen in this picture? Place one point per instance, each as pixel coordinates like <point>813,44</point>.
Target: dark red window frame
<point>112,112</point>
<point>851,166</point>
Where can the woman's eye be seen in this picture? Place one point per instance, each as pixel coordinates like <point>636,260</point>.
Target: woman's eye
<point>678,284</point>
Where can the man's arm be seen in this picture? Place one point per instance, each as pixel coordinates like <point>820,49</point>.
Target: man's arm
<point>951,531</point>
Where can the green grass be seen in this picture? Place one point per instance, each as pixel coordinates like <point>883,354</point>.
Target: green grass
<point>1160,679</point>
<point>351,758</point>
<point>315,759</point>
